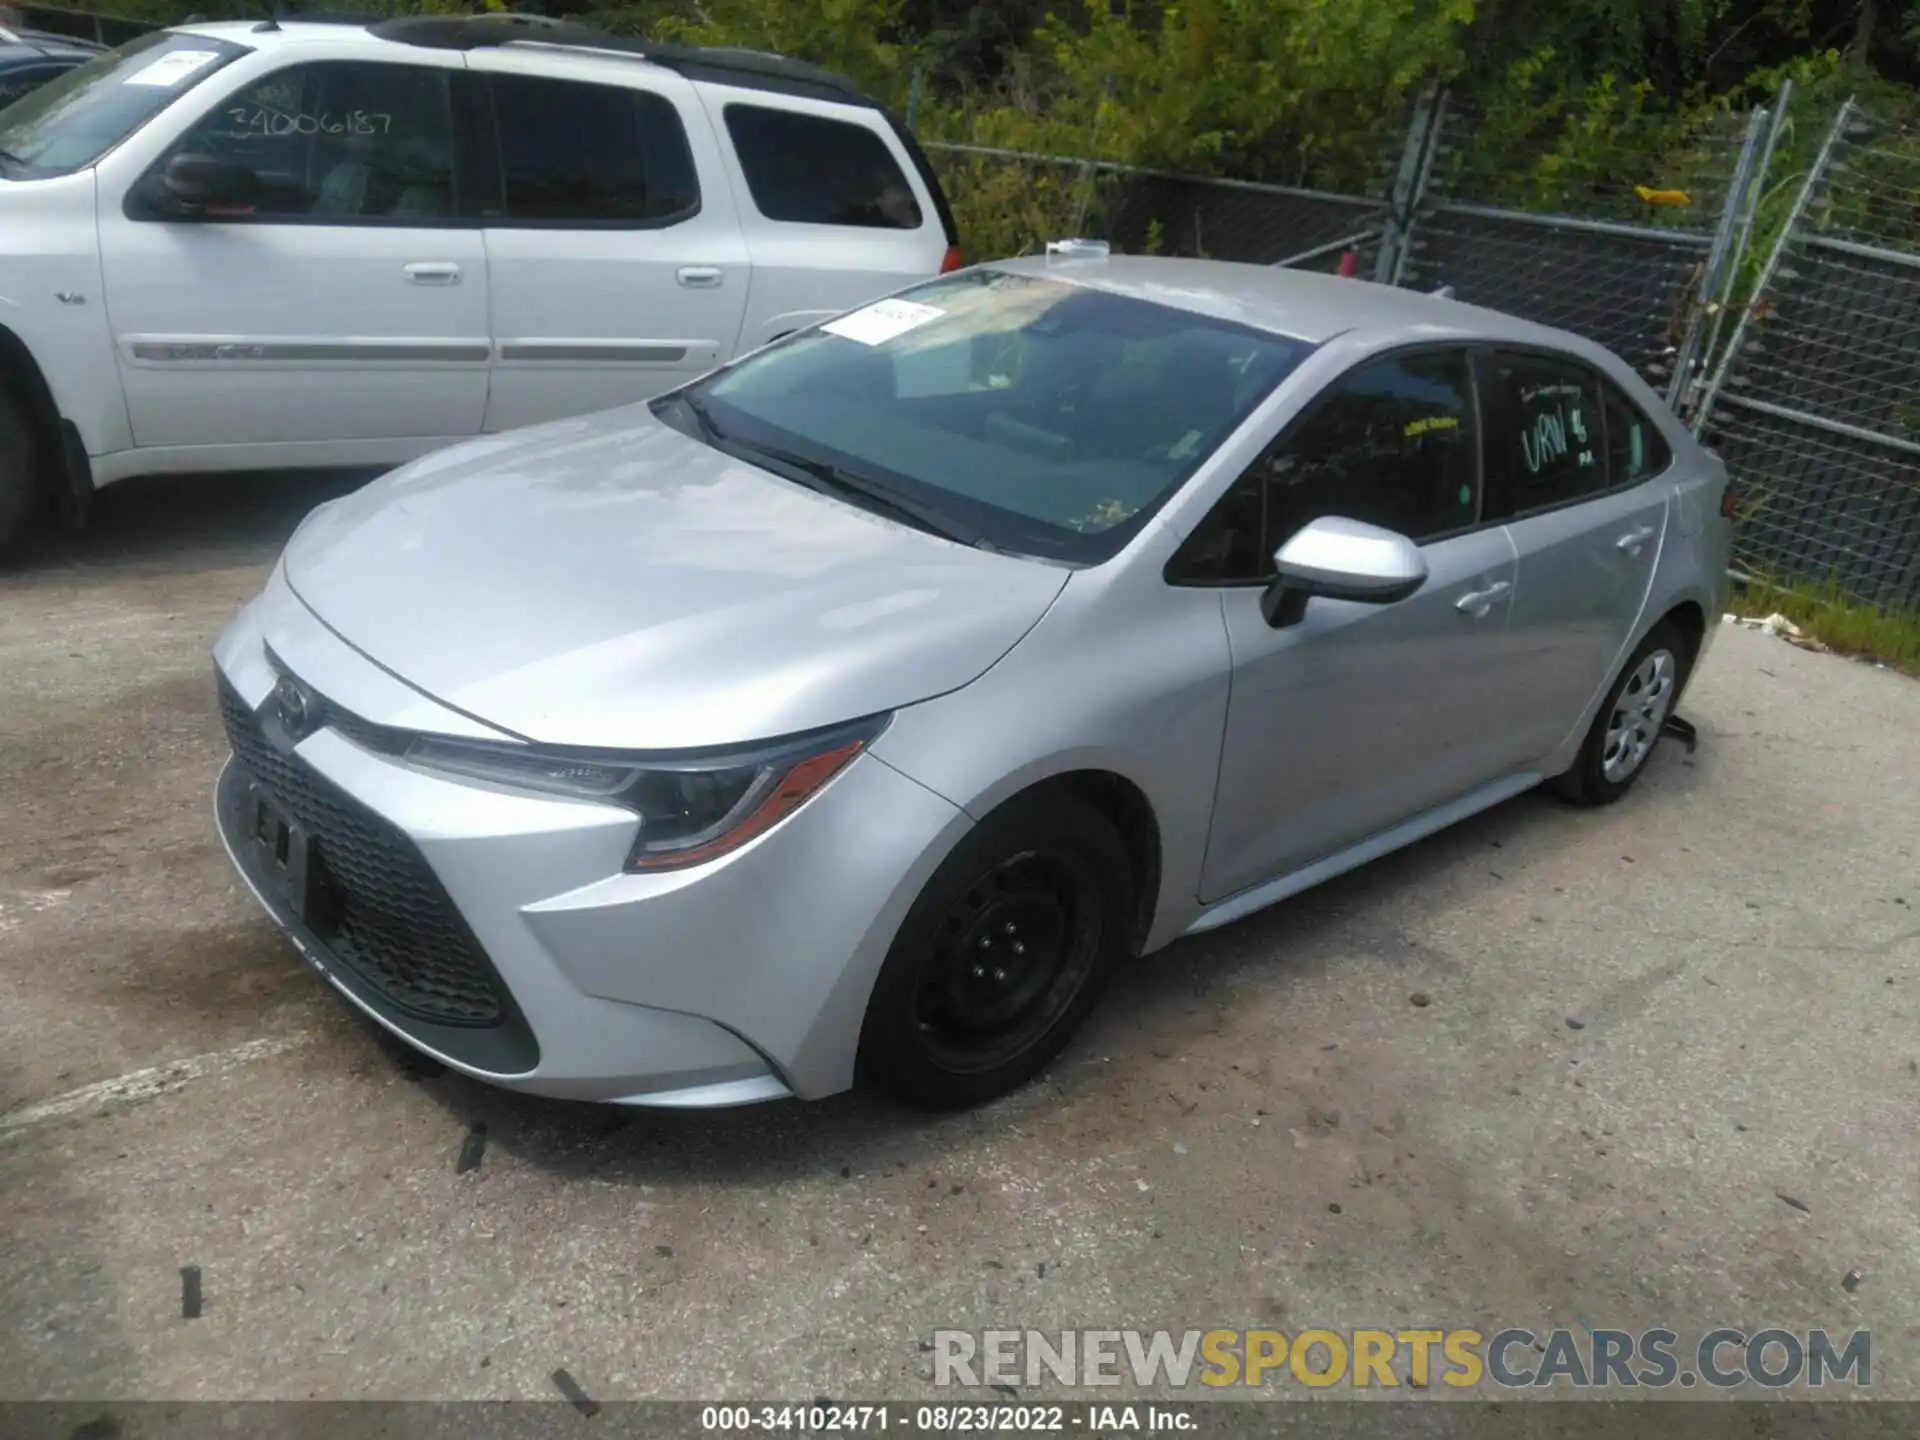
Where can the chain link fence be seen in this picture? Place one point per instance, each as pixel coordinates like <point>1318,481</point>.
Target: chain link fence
<point>1012,202</point>
<point>1642,243</point>
<point>1614,241</point>
<point>1816,403</point>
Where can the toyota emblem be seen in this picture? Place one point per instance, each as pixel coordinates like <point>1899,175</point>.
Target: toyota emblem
<point>297,707</point>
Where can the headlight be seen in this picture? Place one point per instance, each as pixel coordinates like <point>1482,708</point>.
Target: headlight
<point>691,809</point>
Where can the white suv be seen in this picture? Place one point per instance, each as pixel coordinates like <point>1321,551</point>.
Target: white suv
<point>282,245</point>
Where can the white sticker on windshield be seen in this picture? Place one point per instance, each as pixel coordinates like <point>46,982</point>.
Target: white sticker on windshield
<point>170,69</point>
<point>882,321</point>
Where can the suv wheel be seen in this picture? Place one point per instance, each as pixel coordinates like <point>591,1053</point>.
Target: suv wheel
<point>1001,957</point>
<point>23,480</point>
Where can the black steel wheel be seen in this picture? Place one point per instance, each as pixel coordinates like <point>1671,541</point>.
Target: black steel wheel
<point>1001,957</point>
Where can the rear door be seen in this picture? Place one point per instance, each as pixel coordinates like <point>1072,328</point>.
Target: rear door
<point>1574,468</point>
<point>614,254</point>
<point>834,208</point>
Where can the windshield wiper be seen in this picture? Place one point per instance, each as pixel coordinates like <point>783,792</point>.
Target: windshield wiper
<point>872,494</point>
<point>7,157</point>
<point>828,478</point>
<point>701,418</point>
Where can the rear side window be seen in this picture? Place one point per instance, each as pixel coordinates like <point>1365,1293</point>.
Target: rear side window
<point>1546,441</point>
<point>809,170</point>
<point>591,154</point>
<point>1636,450</point>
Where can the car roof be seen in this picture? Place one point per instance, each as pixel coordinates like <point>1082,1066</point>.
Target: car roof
<point>1301,304</point>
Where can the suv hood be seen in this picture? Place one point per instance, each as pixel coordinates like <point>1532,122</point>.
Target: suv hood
<point>610,582</point>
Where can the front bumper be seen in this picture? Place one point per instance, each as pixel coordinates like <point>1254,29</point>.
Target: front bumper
<point>741,980</point>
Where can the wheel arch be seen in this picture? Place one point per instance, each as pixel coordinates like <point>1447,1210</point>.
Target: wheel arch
<point>1689,617</point>
<point>1124,803</point>
<point>20,371</point>
<point>18,366</point>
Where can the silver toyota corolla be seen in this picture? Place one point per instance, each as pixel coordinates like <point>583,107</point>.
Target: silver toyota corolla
<point>856,709</point>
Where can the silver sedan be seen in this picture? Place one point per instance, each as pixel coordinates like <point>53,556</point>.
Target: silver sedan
<point>856,709</point>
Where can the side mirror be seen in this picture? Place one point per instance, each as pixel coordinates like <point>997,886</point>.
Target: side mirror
<point>1341,559</point>
<point>200,184</point>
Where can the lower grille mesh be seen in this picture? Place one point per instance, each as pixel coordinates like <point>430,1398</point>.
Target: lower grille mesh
<point>391,921</point>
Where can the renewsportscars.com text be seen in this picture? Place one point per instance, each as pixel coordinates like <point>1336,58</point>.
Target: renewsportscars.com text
<point>1511,1359</point>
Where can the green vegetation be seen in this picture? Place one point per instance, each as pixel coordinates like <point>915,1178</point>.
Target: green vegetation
<point>1836,620</point>
<point>1294,90</point>
<point>1579,105</point>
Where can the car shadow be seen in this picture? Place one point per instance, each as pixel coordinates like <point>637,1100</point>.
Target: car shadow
<point>859,1132</point>
<point>181,521</point>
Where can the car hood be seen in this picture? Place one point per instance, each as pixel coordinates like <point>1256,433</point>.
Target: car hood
<point>610,582</point>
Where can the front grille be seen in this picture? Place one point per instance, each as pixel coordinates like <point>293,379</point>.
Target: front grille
<point>391,922</point>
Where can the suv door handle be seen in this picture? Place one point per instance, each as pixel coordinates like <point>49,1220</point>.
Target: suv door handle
<point>433,272</point>
<point>1477,603</point>
<point>700,277</point>
<point>1630,543</point>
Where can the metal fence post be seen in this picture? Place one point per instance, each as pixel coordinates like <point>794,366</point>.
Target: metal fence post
<point>914,88</point>
<point>1815,177</point>
<point>1743,237</point>
<point>1410,183</point>
<point>1713,267</point>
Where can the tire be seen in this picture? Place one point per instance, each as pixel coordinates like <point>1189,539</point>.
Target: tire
<point>1627,728</point>
<point>23,481</point>
<point>963,1010</point>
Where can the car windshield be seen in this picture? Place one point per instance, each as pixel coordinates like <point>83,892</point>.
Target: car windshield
<point>71,122</point>
<point>1015,410</point>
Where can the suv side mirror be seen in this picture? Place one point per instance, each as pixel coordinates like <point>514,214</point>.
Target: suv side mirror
<point>1341,559</point>
<point>199,184</point>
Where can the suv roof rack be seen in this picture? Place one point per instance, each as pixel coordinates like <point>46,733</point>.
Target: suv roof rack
<point>752,69</point>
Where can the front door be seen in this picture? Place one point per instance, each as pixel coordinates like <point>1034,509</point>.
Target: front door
<point>617,263</point>
<point>1360,715</point>
<point>1572,467</point>
<point>344,302</point>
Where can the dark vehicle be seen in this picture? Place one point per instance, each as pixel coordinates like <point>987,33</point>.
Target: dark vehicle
<point>30,58</point>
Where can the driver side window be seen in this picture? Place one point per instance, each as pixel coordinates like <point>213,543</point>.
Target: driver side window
<point>1393,443</point>
<point>339,141</point>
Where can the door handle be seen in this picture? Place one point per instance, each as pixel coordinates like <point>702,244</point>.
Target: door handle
<point>700,277</point>
<point>433,272</point>
<point>1630,543</point>
<point>1477,603</point>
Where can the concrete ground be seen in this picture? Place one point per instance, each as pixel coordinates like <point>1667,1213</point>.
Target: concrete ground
<point>1668,1073</point>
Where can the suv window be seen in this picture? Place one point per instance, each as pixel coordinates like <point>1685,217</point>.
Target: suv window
<point>339,141</point>
<point>1391,443</point>
<point>1636,450</point>
<point>809,170</point>
<point>603,154</point>
<point>1545,440</point>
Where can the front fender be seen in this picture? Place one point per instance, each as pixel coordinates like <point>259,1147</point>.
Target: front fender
<point>54,323</point>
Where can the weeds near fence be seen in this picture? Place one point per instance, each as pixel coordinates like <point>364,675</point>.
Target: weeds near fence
<point>1826,613</point>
